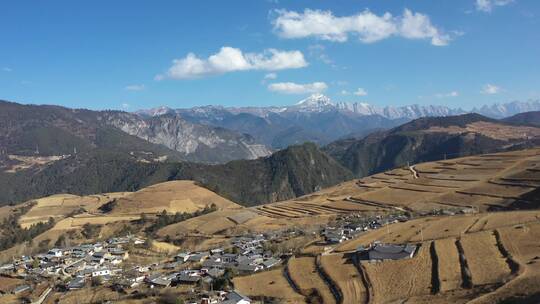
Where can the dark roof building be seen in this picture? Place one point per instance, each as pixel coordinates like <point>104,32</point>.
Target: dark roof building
<point>391,252</point>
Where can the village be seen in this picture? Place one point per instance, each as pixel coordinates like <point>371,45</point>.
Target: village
<point>205,275</point>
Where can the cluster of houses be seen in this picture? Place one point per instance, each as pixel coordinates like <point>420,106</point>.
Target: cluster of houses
<point>350,227</point>
<point>80,263</point>
<point>249,256</point>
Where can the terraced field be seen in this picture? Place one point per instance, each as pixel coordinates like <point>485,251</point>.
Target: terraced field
<point>270,284</point>
<point>449,268</point>
<point>485,261</point>
<point>436,274</point>
<point>399,280</point>
<point>346,277</point>
<point>62,205</point>
<point>463,183</point>
<point>173,196</point>
<point>304,274</point>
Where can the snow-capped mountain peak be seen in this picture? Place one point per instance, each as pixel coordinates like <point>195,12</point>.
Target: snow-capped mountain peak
<point>315,101</point>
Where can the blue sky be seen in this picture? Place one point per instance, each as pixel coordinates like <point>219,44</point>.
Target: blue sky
<point>119,54</point>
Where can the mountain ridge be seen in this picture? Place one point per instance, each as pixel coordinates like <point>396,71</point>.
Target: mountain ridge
<point>318,119</point>
<point>428,139</point>
<point>53,130</point>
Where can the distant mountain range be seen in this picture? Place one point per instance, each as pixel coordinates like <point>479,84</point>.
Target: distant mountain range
<point>46,150</point>
<point>36,130</point>
<point>322,121</point>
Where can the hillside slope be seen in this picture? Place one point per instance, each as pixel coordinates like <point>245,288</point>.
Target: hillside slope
<point>292,172</point>
<point>428,139</point>
<point>42,130</point>
<point>527,118</point>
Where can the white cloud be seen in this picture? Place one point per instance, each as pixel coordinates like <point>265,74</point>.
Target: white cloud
<point>270,76</point>
<point>418,26</point>
<point>345,92</point>
<point>135,87</point>
<point>125,106</point>
<point>488,5</point>
<point>446,95</point>
<point>6,69</point>
<point>490,89</point>
<point>230,59</point>
<point>360,92</point>
<point>296,88</point>
<point>368,26</point>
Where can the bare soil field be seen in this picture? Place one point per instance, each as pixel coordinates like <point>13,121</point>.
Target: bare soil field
<point>486,263</point>
<point>304,274</point>
<point>346,276</point>
<point>398,280</point>
<point>270,284</point>
<point>22,162</point>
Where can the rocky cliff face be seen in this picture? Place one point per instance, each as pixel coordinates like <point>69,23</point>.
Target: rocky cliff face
<point>196,142</point>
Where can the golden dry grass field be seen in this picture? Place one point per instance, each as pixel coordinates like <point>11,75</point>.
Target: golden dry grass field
<point>270,284</point>
<point>304,274</point>
<point>399,280</point>
<point>435,273</point>
<point>347,278</point>
<point>173,196</point>
<point>61,205</point>
<point>448,264</point>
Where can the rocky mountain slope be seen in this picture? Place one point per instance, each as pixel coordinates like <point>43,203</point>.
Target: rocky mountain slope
<point>428,139</point>
<point>196,142</point>
<point>320,120</point>
<point>52,130</point>
<point>314,119</point>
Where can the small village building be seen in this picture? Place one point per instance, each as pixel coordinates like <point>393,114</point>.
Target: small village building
<point>215,272</point>
<point>101,272</point>
<point>198,257</point>
<point>119,253</point>
<point>235,297</point>
<point>248,268</point>
<point>187,279</point>
<point>160,282</point>
<point>76,283</point>
<point>271,262</point>
<point>55,252</point>
<point>182,257</point>
<point>387,252</point>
